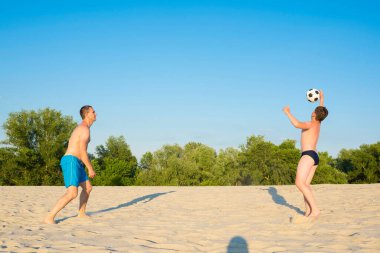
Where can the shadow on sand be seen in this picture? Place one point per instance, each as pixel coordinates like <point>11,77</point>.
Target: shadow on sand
<point>237,245</point>
<point>63,219</point>
<point>280,200</point>
<point>143,199</point>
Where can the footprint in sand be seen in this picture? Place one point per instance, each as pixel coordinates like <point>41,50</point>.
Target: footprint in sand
<point>301,220</point>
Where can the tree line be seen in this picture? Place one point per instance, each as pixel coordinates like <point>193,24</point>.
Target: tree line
<point>36,141</point>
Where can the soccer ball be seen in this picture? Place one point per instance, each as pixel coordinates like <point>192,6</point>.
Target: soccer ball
<point>312,95</point>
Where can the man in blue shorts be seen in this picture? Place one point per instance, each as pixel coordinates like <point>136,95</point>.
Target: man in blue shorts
<point>72,164</point>
<point>309,157</point>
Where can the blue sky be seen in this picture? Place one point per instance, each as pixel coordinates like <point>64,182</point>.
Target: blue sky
<point>216,72</point>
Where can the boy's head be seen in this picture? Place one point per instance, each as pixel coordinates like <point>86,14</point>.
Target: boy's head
<point>321,113</point>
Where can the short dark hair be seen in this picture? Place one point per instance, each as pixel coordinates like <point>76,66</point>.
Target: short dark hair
<point>321,113</point>
<point>84,110</point>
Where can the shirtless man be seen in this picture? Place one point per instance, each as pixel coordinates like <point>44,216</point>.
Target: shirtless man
<point>309,157</point>
<point>72,166</point>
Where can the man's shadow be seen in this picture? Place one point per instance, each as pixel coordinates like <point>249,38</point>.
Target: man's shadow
<point>280,200</point>
<point>143,199</point>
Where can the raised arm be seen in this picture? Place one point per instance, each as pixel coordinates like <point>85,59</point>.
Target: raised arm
<point>321,98</point>
<point>294,121</point>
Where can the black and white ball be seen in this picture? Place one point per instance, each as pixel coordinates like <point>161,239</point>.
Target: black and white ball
<point>312,95</point>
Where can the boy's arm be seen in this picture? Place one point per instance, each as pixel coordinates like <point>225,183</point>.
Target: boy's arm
<point>294,121</point>
<point>321,98</point>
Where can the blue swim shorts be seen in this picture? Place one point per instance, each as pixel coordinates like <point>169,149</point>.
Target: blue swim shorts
<point>312,154</point>
<point>73,171</point>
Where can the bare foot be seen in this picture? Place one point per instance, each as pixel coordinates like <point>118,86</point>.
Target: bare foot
<point>315,214</point>
<point>83,215</point>
<point>49,220</point>
<point>299,220</point>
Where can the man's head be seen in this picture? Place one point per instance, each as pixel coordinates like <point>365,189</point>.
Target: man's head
<point>321,113</point>
<point>86,110</point>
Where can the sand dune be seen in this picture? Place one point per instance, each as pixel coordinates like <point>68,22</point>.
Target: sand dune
<point>193,219</point>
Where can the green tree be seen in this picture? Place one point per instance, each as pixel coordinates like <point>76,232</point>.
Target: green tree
<point>263,161</point>
<point>361,165</point>
<point>166,165</point>
<point>10,174</point>
<point>146,161</point>
<point>326,173</point>
<point>39,139</point>
<point>174,165</point>
<point>227,170</point>
<point>115,164</point>
<point>200,160</point>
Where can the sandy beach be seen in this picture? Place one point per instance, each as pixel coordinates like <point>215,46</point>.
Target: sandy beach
<point>193,219</point>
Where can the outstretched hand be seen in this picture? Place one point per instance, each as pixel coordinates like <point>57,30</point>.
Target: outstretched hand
<point>321,98</point>
<point>286,109</point>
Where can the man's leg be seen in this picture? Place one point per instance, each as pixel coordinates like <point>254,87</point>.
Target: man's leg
<point>304,173</point>
<point>85,194</point>
<point>71,193</point>
<point>308,184</point>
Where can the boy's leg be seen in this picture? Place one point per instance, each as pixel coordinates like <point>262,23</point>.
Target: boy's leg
<point>308,184</point>
<point>305,171</point>
<point>70,194</point>
<point>85,194</point>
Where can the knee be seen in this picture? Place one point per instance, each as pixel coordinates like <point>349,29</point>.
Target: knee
<point>72,194</point>
<point>300,184</point>
<point>88,189</point>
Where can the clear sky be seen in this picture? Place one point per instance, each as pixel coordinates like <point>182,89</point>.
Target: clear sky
<point>216,72</point>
